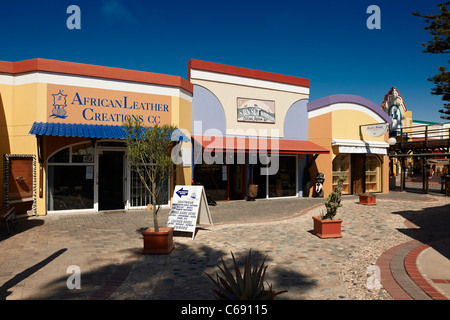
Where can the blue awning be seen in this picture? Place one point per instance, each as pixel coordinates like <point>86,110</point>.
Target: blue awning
<point>89,131</point>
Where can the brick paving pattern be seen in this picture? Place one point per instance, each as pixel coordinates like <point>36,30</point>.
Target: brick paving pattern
<point>107,248</point>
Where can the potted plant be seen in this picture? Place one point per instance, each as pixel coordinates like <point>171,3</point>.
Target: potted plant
<point>252,192</point>
<point>246,285</point>
<point>326,226</point>
<point>368,199</point>
<point>148,154</point>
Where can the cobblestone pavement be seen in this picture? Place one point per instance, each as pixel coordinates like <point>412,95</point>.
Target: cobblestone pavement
<point>106,247</point>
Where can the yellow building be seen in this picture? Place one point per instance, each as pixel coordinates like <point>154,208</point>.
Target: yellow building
<point>61,137</point>
<point>356,131</point>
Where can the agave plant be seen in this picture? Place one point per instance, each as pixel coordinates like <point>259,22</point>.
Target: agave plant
<point>248,285</point>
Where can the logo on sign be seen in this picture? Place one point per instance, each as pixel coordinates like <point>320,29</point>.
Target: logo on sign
<point>182,192</point>
<point>59,105</point>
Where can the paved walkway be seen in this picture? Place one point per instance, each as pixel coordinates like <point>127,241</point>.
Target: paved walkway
<point>397,249</point>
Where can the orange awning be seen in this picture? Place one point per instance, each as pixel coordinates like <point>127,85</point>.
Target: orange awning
<point>246,144</point>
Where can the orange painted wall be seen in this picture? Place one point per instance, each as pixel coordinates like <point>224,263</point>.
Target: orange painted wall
<point>320,133</point>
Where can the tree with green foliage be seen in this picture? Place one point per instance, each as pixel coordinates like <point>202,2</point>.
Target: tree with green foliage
<point>334,199</point>
<point>149,154</point>
<point>439,26</point>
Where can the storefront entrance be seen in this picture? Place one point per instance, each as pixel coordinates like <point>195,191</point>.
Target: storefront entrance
<point>363,172</point>
<point>111,180</point>
<point>357,173</point>
<point>237,179</point>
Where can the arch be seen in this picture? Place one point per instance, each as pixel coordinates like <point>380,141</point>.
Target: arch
<point>344,101</point>
<point>208,109</point>
<point>296,121</point>
<point>69,146</point>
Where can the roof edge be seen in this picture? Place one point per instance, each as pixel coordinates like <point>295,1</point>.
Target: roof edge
<point>244,72</point>
<point>81,69</point>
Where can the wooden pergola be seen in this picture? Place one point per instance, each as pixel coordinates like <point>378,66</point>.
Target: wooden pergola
<point>429,142</point>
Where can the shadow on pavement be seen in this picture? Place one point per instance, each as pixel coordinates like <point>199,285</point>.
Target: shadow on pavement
<point>161,279</point>
<point>433,225</point>
<point>21,225</point>
<point>26,273</point>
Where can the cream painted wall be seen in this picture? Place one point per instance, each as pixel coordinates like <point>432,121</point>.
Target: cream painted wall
<point>346,124</point>
<point>182,118</point>
<point>228,93</point>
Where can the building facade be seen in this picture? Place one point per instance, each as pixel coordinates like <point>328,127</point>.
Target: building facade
<point>356,131</point>
<point>63,147</point>
<point>61,136</point>
<point>250,128</point>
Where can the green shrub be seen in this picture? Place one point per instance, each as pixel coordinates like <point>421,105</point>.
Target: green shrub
<point>334,200</point>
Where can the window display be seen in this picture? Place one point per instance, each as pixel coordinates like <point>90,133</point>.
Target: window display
<point>283,183</point>
<point>341,165</point>
<point>70,178</point>
<point>373,176</point>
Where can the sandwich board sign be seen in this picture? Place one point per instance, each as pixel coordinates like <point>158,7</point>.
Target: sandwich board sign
<point>189,208</point>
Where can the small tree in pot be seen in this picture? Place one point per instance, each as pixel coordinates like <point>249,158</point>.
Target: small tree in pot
<point>148,153</point>
<point>334,200</point>
<point>326,226</point>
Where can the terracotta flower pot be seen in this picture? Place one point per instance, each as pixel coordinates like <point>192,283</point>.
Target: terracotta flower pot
<point>327,228</point>
<point>367,199</point>
<point>158,242</point>
<point>252,192</point>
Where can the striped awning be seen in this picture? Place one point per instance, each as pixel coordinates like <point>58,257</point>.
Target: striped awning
<point>89,131</point>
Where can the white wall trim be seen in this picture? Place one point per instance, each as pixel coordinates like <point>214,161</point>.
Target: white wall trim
<point>90,82</point>
<point>359,143</point>
<point>245,81</point>
<point>345,106</point>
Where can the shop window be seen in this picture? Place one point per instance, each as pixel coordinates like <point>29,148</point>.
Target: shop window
<point>70,178</point>
<point>70,187</point>
<point>62,156</point>
<point>83,153</point>
<point>373,173</point>
<point>140,197</point>
<point>283,183</point>
<point>341,165</point>
<point>214,178</point>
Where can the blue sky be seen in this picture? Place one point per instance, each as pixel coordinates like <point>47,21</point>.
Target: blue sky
<point>325,41</point>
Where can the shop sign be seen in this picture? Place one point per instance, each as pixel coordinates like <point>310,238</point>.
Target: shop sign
<point>438,161</point>
<point>80,105</point>
<point>189,208</point>
<point>376,130</point>
<point>253,110</point>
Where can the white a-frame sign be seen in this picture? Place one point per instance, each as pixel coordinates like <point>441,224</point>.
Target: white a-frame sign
<point>189,208</point>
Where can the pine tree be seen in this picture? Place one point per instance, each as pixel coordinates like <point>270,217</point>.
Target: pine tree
<point>439,26</point>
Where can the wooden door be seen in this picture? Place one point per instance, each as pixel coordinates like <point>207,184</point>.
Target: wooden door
<point>20,187</point>
<point>236,181</point>
<point>357,173</point>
